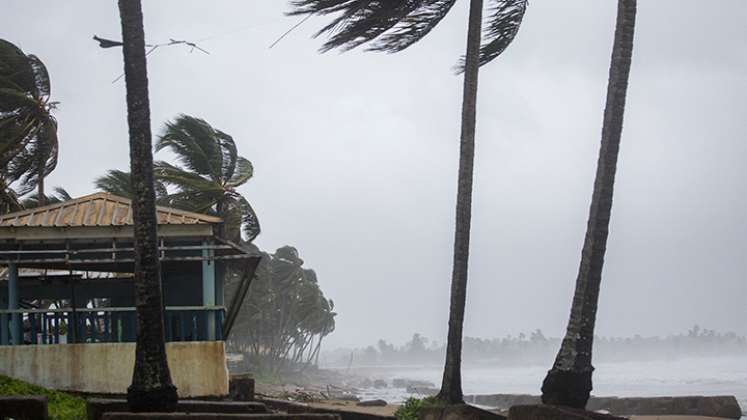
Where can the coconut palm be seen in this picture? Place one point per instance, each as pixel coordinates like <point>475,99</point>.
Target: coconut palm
<point>569,382</point>
<point>392,26</point>
<point>59,195</point>
<point>151,388</point>
<point>119,183</point>
<point>208,173</point>
<point>28,130</point>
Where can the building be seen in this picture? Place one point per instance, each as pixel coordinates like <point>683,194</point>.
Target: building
<point>67,315</point>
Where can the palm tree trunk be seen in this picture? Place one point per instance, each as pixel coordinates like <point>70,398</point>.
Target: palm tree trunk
<point>451,387</point>
<point>569,382</point>
<point>41,197</point>
<point>151,388</point>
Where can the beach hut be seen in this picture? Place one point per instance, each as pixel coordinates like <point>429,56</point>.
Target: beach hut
<point>67,297</point>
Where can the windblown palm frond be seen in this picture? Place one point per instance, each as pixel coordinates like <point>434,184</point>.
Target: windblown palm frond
<point>208,172</point>
<point>59,195</point>
<point>502,26</point>
<point>394,25</point>
<point>28,131</point>
<point>119,183</point>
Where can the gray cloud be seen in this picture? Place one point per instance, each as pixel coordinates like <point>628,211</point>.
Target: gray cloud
<point>356,155</point>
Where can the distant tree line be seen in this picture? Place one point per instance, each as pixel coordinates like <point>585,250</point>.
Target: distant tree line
<point>534,349</point>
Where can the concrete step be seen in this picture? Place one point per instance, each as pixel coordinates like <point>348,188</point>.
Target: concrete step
<point>212,416</point>
<point>97,407</point>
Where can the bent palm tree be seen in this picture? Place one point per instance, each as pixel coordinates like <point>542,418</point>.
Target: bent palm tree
<point>569,381</point>
<point>28,130</point>
<point>151,388</point>
<point>210,173</point>
<point>393,26</point>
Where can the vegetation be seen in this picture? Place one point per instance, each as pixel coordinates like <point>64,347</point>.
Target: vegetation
<point>411,408</point>
<point>534,348</point>
<point>394,26</point>
<point>119,183</point>
<point>205,180</point>
<point>61,406</point>
<point>151,388</point>
<point>210,171</point>
<point>28,130</point>
<point>569,382</point>
<point>284,318</point>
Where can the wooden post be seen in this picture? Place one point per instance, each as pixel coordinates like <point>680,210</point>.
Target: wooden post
<point>208,288</point>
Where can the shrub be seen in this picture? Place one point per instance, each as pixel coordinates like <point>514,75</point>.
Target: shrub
<point>62,406</point>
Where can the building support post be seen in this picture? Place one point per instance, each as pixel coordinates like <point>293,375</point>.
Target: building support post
<point>208,288</point>
<point>15,318</point>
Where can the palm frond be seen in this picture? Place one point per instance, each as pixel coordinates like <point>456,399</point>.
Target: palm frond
<point>242,173</point>
<point>115,182</point>
<point>414,26</point>
<point>184,180</point>
<point>58,196</point>
<point>399,23</point>
<point>502,26</point>
<point>15,66</point>
<point>41,77</point>
<point>193,141</point>
<point>229,154</point>
<point>9,201</point>
<point>249,219</point>
<point>119,183</point>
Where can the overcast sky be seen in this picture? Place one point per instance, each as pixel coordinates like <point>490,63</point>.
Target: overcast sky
<point>356,154</point>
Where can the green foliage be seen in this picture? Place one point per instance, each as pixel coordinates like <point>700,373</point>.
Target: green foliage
<point>411,408</point>
<point>28,130</point>
<point>62,406</point>
<point>207,174</point>
<point>285,317</point>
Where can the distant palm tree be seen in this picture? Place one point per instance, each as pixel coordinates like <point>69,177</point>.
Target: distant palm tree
<point>151,388</point>
<point>59,195</point>
<point>393,26</point>
<point>119,183</point>
<point>208,174</point>
<point>569,382</point>
<point>28,130</point>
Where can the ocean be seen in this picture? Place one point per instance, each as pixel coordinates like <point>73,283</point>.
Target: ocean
<point>680,377</point>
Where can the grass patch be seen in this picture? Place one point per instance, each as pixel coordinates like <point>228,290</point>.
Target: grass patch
<point>410,409</point>
<point>61,406</point>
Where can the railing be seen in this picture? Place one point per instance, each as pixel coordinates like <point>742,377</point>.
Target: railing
<point>105,325</point>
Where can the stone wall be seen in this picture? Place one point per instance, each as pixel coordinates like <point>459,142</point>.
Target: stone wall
<point>712,406</point>
<point>198,369</point>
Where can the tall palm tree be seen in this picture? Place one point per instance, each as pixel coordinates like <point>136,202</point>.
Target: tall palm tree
<point>393,26</point>
<point>28,130</point>
<point>208,174</point>
<point>151,388</point>
<point>569,382</point>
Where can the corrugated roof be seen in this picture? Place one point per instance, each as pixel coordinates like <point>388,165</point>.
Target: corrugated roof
<point>100,209</point>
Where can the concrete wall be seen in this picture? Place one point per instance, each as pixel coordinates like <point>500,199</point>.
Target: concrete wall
<point>197,368</point>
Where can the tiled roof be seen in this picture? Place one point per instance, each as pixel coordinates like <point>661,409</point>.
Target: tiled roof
<point>100,209</point>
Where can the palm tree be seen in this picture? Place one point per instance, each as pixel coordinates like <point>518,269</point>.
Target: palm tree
<point>59,195</point>
<point>569,382</point>
<point>119,183</point>
<point>151,388</point>
<point>207,176</point>
<point>393,26</point>
<point>28,130</point>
